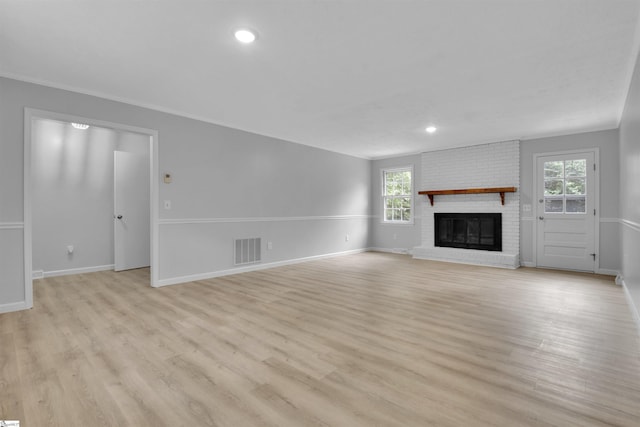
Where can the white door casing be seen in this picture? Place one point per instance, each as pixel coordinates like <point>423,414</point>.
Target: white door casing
<point>131,211</point>
<point>566,210</point>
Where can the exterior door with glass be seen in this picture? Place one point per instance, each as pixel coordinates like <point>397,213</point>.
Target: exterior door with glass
<point>566,211</point>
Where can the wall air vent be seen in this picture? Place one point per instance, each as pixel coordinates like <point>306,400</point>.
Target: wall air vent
<point>247,251</point>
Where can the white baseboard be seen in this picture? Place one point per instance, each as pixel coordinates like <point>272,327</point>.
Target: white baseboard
<point>607,272</point>
<point>255,267</point>
<point>73,271</point>
<point>14,306</point>
<point>385,250</point>
<point>632,306</point>
<point>402,251</point>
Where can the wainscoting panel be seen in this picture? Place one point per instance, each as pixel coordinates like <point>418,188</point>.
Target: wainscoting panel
<point>194,248</point>
<point>11,267</point>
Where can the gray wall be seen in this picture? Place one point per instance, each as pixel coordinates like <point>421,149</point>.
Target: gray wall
<point>607,142</point>
<point>72,193</point>
<point>226,184</point>
<point>232,184</point>
<point>630,190</point>
<point>395,236</point>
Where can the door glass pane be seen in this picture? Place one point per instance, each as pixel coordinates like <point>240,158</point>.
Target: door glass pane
<point>554,169</point>
<point>575,186</point>
<point>553,187</point>
<point>577,205</point>
<point>563,180</point>
<point>575,168</point>
<point>553,205</point>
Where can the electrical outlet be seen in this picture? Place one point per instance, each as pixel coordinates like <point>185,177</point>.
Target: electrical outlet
<point>526,208</point>
<point>269,245</point>
<point>346,238</point>
<point>167,204</point>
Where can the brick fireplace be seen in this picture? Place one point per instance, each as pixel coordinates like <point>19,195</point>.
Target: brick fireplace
<point>489,165</point>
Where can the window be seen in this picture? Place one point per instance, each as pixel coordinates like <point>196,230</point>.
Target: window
<point>397,199</point>
<point>565,186</point>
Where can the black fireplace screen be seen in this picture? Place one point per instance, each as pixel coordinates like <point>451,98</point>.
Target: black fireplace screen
<point>469,230</point>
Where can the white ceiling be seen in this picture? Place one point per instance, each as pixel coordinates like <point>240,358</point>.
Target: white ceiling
<point>357,77</point>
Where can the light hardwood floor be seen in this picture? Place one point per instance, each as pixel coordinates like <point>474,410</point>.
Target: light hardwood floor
<point>364,340</point>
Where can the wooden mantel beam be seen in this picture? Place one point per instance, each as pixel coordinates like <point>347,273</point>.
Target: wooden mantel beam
<point>501,190</point>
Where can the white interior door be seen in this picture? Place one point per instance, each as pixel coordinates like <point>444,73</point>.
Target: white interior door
<point>566,211</point>
<point>131,211</point>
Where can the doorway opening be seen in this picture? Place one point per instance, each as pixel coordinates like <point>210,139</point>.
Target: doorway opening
<point>71,184</point>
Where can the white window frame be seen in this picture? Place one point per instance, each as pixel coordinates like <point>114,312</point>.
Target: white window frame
<point>411,196</point>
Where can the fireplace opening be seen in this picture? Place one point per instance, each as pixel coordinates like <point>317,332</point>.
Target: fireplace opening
<point>481,231</point>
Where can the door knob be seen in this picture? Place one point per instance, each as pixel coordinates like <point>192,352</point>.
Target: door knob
<point>540,217</point>
<point>119,217</point>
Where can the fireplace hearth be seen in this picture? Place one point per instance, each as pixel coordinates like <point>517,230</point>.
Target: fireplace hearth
<point>480,231</point>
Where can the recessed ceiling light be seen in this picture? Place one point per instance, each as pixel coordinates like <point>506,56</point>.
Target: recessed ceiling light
<point>80,126</point>
<point>245,36</point>
<point>431,129</point>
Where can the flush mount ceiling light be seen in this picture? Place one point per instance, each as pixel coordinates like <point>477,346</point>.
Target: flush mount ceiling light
<point>80,126</point>
<point>431,129</point>
<point>244,35</point>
